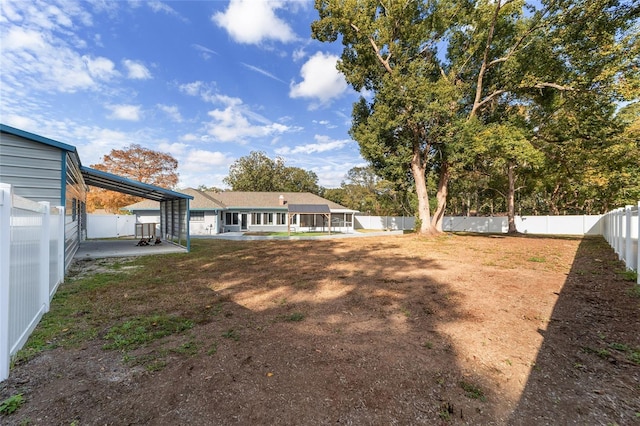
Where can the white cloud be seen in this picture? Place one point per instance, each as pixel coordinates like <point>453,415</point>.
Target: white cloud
<point>125,112</point>
<point>205,52</point>
<point>21,38</point>
<point>158,6</point>
<point>100,68</point>
<point>35,57</point>
<point>323,144</point>
<point>192,89</point>
<point>320,80</point>
<point>252,22</point>
<point>19,122</point>
<point>175,149</point>
<point>199,159</point>
<point>298,54</point>
<point>263,72</point>
<point>136,70</point>
<point>172,112</point>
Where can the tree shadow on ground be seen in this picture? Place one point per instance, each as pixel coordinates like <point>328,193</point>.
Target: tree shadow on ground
<point>286,333</point>
<point>588,368</point>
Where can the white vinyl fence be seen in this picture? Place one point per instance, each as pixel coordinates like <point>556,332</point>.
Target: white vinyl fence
<point>559,225</point>
<point>31,268</point>
<point>110,225</point>
<point>621,229</point>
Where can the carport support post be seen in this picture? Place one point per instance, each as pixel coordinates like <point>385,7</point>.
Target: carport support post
<point>5,262</point>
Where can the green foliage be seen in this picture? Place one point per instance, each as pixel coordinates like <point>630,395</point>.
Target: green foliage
<point>541,81</point>
<point>472,391</point>
<point>295,317</point>
<point>11,404</point>
<point>140,331</point>
<point>231,334</point>
<point>258,172</point>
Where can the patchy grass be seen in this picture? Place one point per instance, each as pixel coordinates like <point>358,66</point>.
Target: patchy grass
<point>136,332</point>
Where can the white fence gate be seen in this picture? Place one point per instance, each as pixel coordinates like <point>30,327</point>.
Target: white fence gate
<point>31,268</point>
<point>110,225</point>
<point>621,229</point>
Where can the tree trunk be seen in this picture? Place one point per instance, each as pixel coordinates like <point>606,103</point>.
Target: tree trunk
<point>441,196</point>
<point>418,170</point>
<point>511,197</point>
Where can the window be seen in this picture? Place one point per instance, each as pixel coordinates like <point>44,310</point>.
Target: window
<point>281,218</point>
<point>197,216</point>
<point>256,218</point>
<point>231,218</point>
<point>268,218</point>
<point>294,219</point>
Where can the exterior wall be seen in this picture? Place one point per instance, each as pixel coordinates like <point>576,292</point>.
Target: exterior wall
<point>33,169</point>
<point>75,228</point>
<point>40,172</point>
<point>208,226</point>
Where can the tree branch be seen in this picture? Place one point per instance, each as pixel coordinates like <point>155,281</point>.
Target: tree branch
<point>385,63</point>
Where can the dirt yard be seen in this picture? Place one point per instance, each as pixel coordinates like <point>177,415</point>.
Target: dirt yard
<point>401,330</point>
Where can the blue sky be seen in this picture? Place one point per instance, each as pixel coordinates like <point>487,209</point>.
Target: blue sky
<point>206,81</point>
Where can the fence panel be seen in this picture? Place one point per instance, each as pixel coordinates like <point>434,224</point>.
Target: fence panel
<point>621,229</point>
<point>28,275</point>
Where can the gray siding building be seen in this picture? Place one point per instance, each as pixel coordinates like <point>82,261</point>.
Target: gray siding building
<point>41,169</point>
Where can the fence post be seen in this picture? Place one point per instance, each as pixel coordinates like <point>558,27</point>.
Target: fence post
<point>627,237</point>
<point>6,200</point>
<point>61,265</point>
<point>45,255</point>
<point>638,247</point>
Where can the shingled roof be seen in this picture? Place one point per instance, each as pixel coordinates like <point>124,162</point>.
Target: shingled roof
<point>257,200</point>
<point>201,201</point>
<point>243,200</point>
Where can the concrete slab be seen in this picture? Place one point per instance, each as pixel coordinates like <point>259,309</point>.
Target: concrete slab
<point>98,249</point>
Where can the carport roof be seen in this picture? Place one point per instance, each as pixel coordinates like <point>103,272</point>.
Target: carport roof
<point>113,182</point>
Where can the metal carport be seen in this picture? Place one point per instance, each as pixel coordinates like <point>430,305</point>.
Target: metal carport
<point>174,206</point>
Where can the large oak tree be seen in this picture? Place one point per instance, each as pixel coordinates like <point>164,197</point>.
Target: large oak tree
<point>501,56</point>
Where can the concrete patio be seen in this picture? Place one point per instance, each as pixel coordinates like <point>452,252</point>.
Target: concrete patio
<point>97,249</point>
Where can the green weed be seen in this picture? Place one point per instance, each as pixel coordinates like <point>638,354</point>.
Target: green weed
<point>295,317</point>
<point>537,259</point>
<point>629,275</point>
<point>231,334</point>
<point>11,404</point>
<point>189,348</point>
<point>212,349</point>
<point>472,391</point>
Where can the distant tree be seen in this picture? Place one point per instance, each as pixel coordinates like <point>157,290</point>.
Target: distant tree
<point>368,193</point>
<point>258,172</point>
<point>206,188</point>
<point>137,163</point>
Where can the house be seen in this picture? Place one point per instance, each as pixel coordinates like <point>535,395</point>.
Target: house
<point>234,211</point>
<point>43,169</point>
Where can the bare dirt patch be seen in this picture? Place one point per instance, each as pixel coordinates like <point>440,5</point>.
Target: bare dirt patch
<point>397,330</point>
